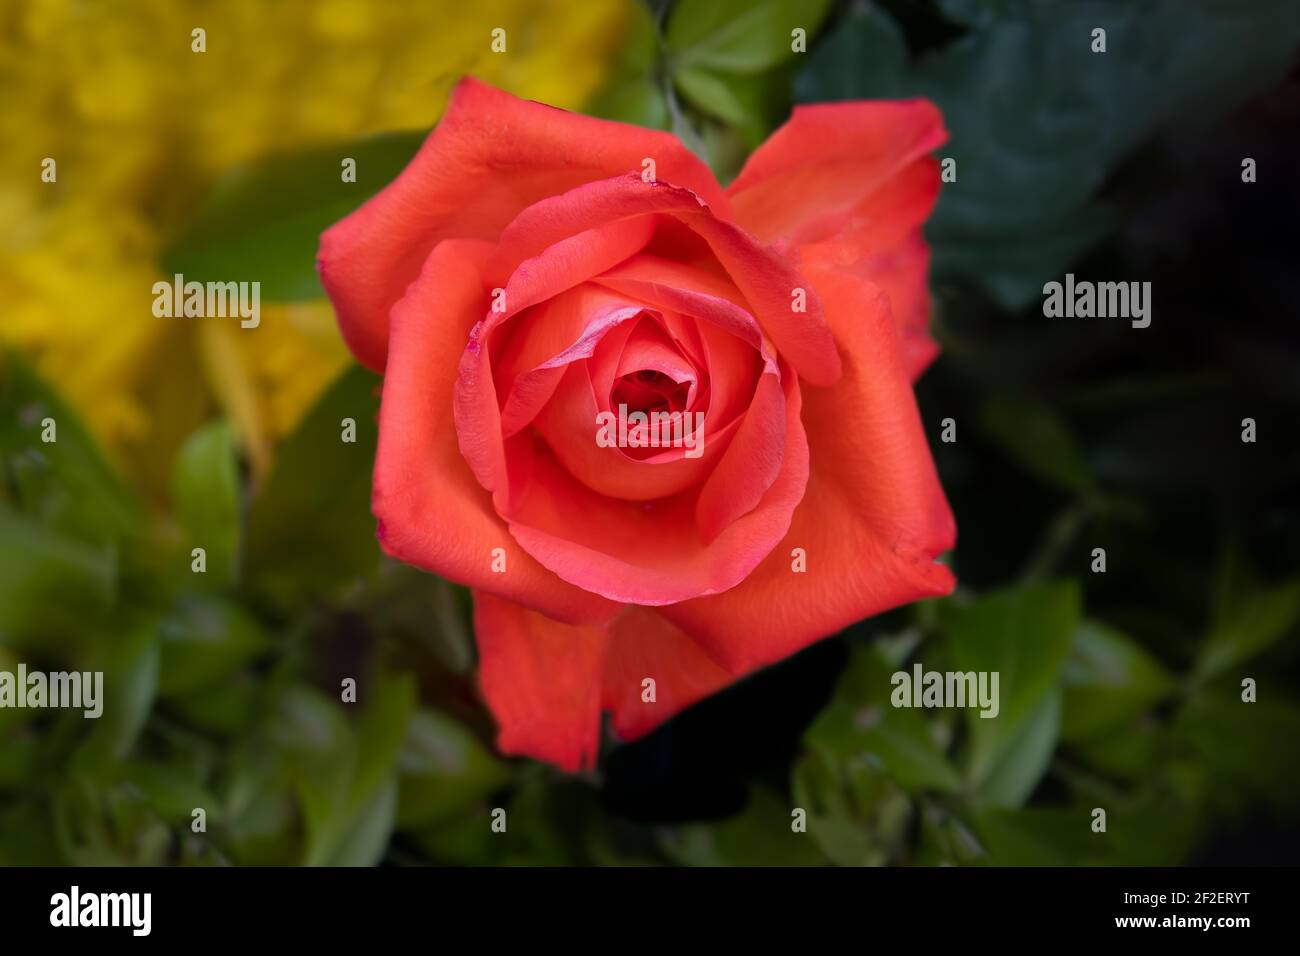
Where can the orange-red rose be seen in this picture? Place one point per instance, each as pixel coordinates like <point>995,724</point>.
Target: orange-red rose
<point>532,269</point>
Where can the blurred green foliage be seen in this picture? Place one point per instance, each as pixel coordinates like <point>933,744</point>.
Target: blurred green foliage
<point>1039,121</point>
<point>226,690</point>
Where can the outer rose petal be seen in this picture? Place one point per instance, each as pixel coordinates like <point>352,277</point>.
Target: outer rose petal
<point>808,180</point>
<point>490,156</point>
<point>542,680</point>
<point>432,511</point>
<point>902,273</point>
<point>885,246</point>
<point>854,180</point>
<point>644,644</point>
<point>874,515</point>
<point>547,682</point>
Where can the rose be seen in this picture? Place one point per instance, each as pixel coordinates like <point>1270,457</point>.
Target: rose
<point>531,269</point>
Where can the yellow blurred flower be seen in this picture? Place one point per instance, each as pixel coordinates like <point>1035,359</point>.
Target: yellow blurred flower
<point>140,126</point>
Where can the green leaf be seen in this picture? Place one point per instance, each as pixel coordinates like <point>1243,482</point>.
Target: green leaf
<point>864,57</point>
<point>310,530</point>
<point>65,484</point>
<point>50,585</point>
<point>371,828</point>
<point>1023,635</point>
<point>171,791</point>
<point>262,222</point>
<point>760,835</point>
<point>26,836</point>
<point>640,102</point>
<point>856,814</point>
<point>382,732</point>
<point>1108,681</point>
<point>226,708</point>
<point>205,494</point>
<point>1038,440</point>
<point>346,776</point>
<point>1248,625</point>
<point>258,819</point>
<point>1025,757</point>
<point>739,36</point>
<point>1040,836</point>
<point>444,769</point>
<point>1127,753</point>
<point>742,101</point>
<point>205,641</point>
<point>129,690</point>
<point>1250,747</point>
<point>631,92</point>
<point>860,722</point>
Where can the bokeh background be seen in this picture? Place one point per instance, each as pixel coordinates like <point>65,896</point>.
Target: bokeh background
<point>223,688</point>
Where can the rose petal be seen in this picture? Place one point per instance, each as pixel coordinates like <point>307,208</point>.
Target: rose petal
<point>643,644</point>
<point>902,273</point>
<point>884,245</point>
<point>542,680</point>
<point>750,465</point>
<point>569,426</point>
<point>559,267</point>
<point>434,513</point>
<point>874,516</point>
<point>490,156</point>
<point>765,278</point>
<point>808,180</point>
<point>545,342</point>
<point>546,682</point>
<point>648,552</point>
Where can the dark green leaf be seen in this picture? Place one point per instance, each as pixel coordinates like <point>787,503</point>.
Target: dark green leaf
<point>1040,836</point>
<point>50,584</point>
<point>760,835</point>
<point>864,57</point>
<point>1038,440</point>
<point>205,641</point>
<point>444,770</point>
<point>1248,746</point>
<point>1108,680</point>
<point>130,687</point>
<point>1248,625</point>
<point>310,530</point>
<point>66,484</point>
